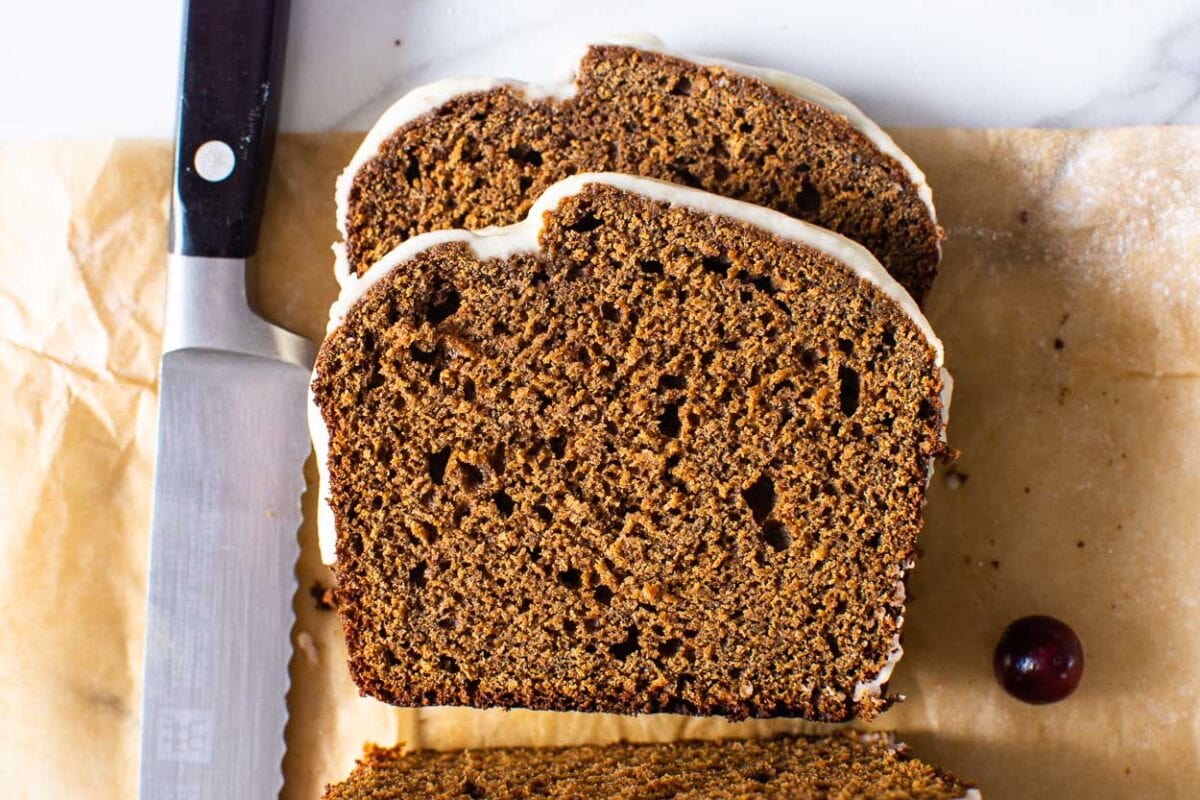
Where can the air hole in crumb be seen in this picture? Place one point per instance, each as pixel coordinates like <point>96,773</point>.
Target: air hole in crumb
<point>504,503</point>
<point>472,791</point>
<point>760,497</point>
<point>588,222</point>
<point>926,410</point>
<point>625,649</point>
<point>671,382</point>
<point>422,356</point>
<point>412,170</point>
<point>570,578</point>
<point>609,312</point>
<point>447,664</point>
<point>764,284</point>
<point>437,465</point>
<point>682,87</point>
<point>651,267</point>
<point>535,554</point>
<point>468,390</point>
<point>889,336</point>
<point>809,358</point>
<point>685,176</point>
<point>670,647</point>
<point>569,627</point>
<point>543,513</point>
<point>525,155</point>
<point>808,201</point>
<point>761,777</point>
<point>846,346</point>
<point>445,301</point>
<point>835,651</point>
<point>603,594</point>
<point>427,532</point>
<point>849,390</point>
<point>558,446</point>
<point>416,575</point>
<point>717,265</point>
<point>775,534</point>
<point>668,421</point>
<point>497,459</point>
<point>524,182</point>
<point>470,475</point>
<point>538,277</point>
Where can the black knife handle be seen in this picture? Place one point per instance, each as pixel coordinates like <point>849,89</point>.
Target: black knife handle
<point>229,90</point>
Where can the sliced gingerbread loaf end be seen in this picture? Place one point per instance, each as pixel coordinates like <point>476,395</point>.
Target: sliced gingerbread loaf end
<point>791,768</point>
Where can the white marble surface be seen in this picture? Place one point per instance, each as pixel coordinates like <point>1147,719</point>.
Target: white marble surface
<point>70,69</point>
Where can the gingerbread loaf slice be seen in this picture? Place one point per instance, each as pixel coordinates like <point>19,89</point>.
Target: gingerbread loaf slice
<point>865,767</point>
<point>473,153</point>
<point>650,450</point>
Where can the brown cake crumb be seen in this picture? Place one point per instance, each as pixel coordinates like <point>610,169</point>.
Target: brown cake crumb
<point>481,159</point>
<point>812,768</point>
<point>665,458</point>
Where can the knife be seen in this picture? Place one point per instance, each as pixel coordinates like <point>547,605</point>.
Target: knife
<point>232,439</point>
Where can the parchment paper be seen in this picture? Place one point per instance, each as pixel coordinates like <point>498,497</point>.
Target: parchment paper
<point>1069,303</point>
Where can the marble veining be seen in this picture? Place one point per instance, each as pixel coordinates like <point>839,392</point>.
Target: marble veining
<point>1163,87</point>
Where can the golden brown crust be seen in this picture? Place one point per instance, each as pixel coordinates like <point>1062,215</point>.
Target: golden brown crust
<point>796,768</point>
<point>669,463</point>
<point>481,159</point>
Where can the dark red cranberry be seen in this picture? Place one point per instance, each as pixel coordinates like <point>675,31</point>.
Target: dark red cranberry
<point>1039,660</point>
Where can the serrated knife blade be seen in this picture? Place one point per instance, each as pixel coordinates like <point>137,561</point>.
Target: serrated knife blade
<point>232,438</point>
<point>229,476</point>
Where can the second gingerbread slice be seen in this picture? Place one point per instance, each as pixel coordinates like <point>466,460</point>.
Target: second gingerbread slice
<point>464,153</point>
